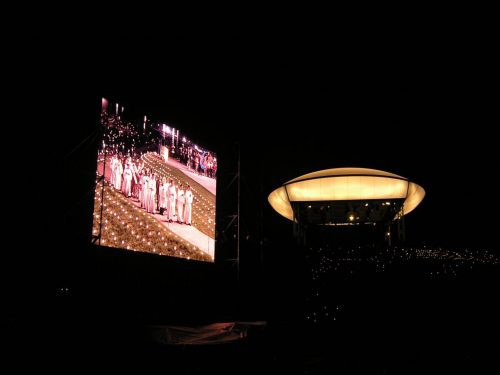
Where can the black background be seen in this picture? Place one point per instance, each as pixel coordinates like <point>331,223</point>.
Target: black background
<point>421,107</point>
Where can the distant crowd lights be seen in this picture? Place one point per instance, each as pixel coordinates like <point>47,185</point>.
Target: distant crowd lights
<point>325,263</point>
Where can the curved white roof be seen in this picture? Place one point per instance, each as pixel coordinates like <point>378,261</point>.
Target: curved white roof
<point>340,184</point>
<point>344,172</point>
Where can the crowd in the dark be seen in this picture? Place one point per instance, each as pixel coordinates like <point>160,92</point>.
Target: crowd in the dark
<point>123,139</point>
<point>330,267</point>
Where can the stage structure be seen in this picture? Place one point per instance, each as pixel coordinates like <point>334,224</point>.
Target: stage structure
<point>343,197</point>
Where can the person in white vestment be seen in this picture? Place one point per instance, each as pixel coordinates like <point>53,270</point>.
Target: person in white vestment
<point>172,196</point>
<point>180,204</point>
<point>145,189</point>
<point>112,165</point>
<point>118,174</point>
<point>127,180</point>
<point>163,195</point>
<point>151,203</point>
<point>188,205</point>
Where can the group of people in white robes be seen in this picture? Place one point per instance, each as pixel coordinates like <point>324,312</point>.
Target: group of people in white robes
<point>175,202</point>
<point>125,178</point>
<point>147,191</point>
<point>133,180</point>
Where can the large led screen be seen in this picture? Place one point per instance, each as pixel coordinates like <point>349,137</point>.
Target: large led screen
<point>155,188</point>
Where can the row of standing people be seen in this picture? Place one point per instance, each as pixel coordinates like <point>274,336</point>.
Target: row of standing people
<point>203,163</point>
<point>172,200</point>
<point>125,177</point>
<point>133,180</point>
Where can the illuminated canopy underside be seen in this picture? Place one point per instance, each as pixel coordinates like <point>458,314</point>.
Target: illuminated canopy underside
<point>345,184</point>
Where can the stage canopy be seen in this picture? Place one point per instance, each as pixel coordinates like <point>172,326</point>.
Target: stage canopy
<point>346,184</point>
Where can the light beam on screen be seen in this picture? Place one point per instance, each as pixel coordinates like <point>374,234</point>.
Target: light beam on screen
<point>151,203</point>
<point>104,105</point>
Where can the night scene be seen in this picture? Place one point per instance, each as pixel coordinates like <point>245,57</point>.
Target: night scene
<point>288,205</point>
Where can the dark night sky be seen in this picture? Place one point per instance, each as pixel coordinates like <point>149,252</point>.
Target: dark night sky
<point>422,110</point>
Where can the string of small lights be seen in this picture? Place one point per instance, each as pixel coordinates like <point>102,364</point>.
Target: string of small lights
<point>126,226</point>
<point>328,267</point>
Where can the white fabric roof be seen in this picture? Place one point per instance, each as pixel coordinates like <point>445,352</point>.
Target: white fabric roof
<point>342,184</point>
<point>345,172</point>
